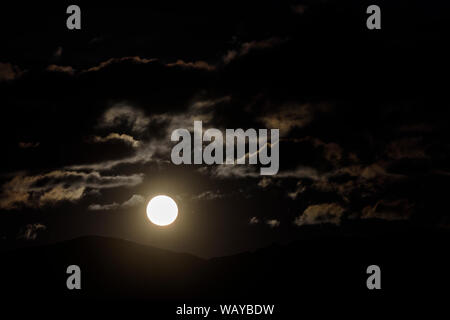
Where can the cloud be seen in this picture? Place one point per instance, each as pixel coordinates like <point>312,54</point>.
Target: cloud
<point>209,195</point>
<point>121,114</point>
<point>321,213</point>
<point>9,71</point>
<point>400,209</point>
<point>249,171</point>
<point>107,63</point>
<point>197,65</point>
<point>138,122</point>
<point>134,201</point>
<point>254,220</point>
<point>103,207</point>
<point>332,152</point>
<point>200,110</point>
<point>273,223</point>
<point>299,9</point>
<point>143,155</point>
<point>58,52</point>
<point>208,103</point>
<point>288,118</point>
<point>366,180</point>
<point>202,65</point>
<point>264,182</point>
<point>59,185</point>
<point>227,171</point>
<point>31,231</point>
<point>28,145</point>
<point>61,193</point>
<point>62,69</point>
<point>246,47</point>
<point>410,148</point>
<point>299,190</point>
<point>116,136</point>
<point>300,172</point>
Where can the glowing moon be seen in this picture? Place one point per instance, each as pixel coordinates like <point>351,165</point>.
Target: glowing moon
<point>162,210</point>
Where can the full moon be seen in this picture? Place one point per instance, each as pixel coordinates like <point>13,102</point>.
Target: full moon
<point>162,210</point>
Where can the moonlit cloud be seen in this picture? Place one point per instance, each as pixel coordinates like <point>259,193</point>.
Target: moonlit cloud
<point>246,47</point>
<point>31,231</point>
<point>321,213</point>
<point>134,201</point>
<point>273,223</point>
<point>122,114</point>
<point>209,195</point>
<point>202,65</point>
<point>400,209</point>
<point>409,148</point>
<point>63,69</point>
<point>107,63</point>
<point>116,136</point>
<point>103,207</point>
<point>59,185</point>
<point>288,118</point>
<point>254,220</point>
<point>264,182</point>
<point>200,110</point>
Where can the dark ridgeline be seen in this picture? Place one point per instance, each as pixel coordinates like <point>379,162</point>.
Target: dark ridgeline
<point>324,274</point>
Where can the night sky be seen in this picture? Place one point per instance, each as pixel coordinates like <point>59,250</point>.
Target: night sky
<point>86,119</point>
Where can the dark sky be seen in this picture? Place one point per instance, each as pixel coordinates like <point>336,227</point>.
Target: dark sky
<point>86,118</point>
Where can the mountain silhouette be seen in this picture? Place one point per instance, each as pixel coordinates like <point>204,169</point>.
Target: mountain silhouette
<point>310,273</point>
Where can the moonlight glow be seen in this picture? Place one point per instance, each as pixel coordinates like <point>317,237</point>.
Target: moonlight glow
<point>162,210</point>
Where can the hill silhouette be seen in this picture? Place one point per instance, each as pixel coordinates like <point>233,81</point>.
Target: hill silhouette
<point>311,273</point>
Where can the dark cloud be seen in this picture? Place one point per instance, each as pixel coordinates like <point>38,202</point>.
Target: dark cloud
<point>31,231</point>
<point>400,209</point>
<point>58,52</point>
<point>299,9</point>
<point>9,71</point>
<point>26,145</point>
<point>247,47</point>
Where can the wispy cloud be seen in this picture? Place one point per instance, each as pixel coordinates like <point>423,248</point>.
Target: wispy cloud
<point>59,185</point>
<point>247,47</point>
<point>63,69</point>
<point>31,231</point>
<point>122,114</point>
<point>273,223</point>
<point>117,137</point>
<point>134,201</point>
